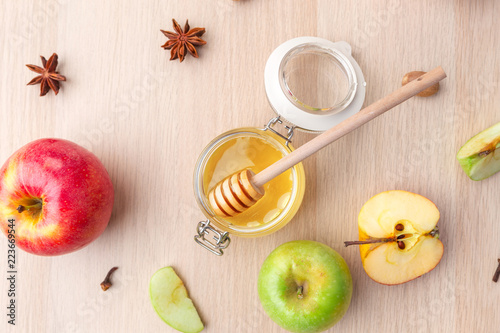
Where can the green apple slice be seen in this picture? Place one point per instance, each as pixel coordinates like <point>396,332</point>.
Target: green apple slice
<point>480,156</point>
<point>171,302</point>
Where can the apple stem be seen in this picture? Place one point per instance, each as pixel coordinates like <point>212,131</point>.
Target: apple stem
<point>435,232</point>
<point>497,273</point>
<point>107,280</point>
<point>370,241</point>
<point>300,292</point>
<point>36,206</point>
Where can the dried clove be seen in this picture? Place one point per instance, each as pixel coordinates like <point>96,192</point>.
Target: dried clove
<point>107,280</point>
<point>497,273</point>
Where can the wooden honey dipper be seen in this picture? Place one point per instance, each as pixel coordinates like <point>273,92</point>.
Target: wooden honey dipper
<point>238,192</point>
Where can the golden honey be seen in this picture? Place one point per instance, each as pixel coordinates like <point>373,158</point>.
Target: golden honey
<point>254,149</point>
<point>256,154</point>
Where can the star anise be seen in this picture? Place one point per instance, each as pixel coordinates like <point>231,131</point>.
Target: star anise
<point>181,40</point>
<point>48,78</point>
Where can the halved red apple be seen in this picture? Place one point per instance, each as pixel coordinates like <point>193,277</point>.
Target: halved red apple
<point>399,239</point>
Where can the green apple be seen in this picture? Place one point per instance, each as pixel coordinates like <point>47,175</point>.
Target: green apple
<point>305,286</point>
<point>480,156</point>
<point>171,302</point>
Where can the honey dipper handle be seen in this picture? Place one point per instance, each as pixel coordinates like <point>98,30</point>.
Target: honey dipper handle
<point>362,117</point>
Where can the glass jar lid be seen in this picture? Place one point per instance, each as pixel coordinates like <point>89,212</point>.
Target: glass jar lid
<point>313,83</point>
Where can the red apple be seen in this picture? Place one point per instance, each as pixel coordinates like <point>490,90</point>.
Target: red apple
<point>59,194</point>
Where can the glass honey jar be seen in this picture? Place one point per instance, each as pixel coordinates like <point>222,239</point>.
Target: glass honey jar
<point>312,84</point>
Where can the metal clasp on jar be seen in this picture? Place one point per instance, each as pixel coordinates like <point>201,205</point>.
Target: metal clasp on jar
<point>221,239</point>
<point>289,129</point>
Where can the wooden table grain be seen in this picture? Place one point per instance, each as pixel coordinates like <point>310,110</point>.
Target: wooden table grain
<point>148,119</point>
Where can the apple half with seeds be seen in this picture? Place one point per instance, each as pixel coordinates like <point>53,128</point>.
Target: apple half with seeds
<point>398,237</point>
<point>480,156</point>
<point>171,302</point>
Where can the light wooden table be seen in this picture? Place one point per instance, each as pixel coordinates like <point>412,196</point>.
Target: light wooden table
<point>148,119</point>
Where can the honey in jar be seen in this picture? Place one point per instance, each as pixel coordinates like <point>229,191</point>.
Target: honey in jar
<point>254,149</point>
<point>256,154</point>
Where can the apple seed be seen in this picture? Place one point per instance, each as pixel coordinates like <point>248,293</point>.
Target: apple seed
<point>399,227</point>
<point>401,245</point>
